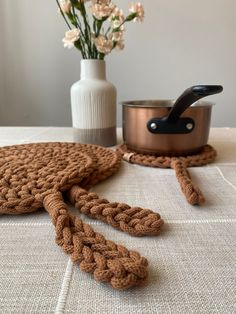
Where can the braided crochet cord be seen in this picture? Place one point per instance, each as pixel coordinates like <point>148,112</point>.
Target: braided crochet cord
<point>133,220</point>
<point>192,193</point>
<point>107,261</point>
<point>35,175</point>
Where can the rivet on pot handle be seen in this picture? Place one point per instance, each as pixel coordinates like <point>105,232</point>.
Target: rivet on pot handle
<point>173,123</point>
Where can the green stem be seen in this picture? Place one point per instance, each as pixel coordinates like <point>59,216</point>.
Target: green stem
<point>117,29</point>
<point>93,45</point>
<point>87,29</point>
<point>77,24</point>
<point>78,45</point>
<point>108,30</point>
<point>127,19</point>
<point>101,56</point>
<point>130,17</point>
<point>63,15</point>
<point>99,26</point>
<point>94,26</point>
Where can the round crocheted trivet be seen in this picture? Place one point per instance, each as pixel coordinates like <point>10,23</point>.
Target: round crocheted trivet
<point>192,193</point>
<point>35,175</point>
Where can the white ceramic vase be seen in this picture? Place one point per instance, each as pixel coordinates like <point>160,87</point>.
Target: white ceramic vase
<point>93,104</point>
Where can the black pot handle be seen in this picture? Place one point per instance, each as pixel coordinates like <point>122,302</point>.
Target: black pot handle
<point>190,96</point>
<point>173,124</point>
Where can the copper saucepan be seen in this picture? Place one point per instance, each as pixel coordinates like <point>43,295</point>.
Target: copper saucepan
<point>167,127</point>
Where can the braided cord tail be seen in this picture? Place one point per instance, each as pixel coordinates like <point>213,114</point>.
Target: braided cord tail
<point>107,261</point>
<point>133,220</point>
<point>192,193</point>
<point>179,164</point>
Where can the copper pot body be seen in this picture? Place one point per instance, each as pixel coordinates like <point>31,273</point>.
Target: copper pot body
<point>137,137</point>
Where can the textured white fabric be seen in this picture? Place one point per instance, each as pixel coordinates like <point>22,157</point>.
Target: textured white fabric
<point>191,263</point>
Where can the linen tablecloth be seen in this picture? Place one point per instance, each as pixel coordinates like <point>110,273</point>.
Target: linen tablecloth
<point>191,263</point>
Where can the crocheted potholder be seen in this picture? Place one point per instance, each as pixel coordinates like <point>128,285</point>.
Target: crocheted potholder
<point>39,175</point>
<point>180,164</point>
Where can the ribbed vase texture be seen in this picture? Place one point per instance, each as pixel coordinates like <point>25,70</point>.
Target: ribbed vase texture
<point>93,104</point>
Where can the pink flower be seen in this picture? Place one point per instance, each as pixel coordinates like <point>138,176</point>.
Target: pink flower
<point>120,45</point>
<point>105,2</point>
<point>138,9</point>
<point>116,36</point>
<point>101,10</point>
<point>103,44</point>
<point>70,37</point>
<point>117,18</point>
<point>65,6</point>
<point>117,14</point>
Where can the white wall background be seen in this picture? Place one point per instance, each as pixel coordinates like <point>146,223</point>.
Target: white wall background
<point>180,43</point>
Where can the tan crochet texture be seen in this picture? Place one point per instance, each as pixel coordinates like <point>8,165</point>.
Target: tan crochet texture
<point>192,193</point>
<point>35,175</point>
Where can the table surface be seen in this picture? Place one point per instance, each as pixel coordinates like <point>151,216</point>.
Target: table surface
<point>191,263</point>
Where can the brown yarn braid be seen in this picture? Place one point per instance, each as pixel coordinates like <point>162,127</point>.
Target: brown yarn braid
<point>192,193</point>
<point>107,261</point>
<point>35,175</point>
<point>133,220</point>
